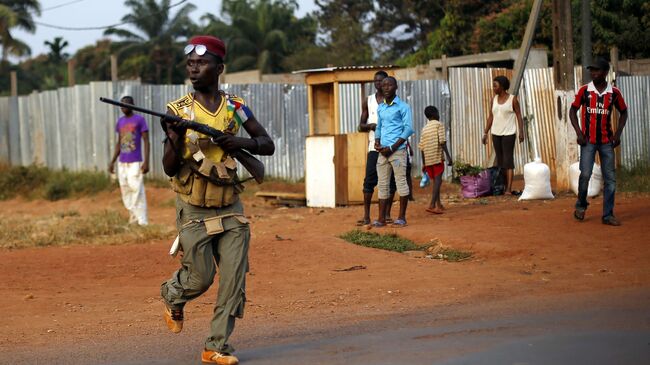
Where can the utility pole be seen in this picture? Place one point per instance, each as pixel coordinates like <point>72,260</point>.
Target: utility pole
<point>14,83</point>
<point>113,68</point>
<point>71,67</point>
<point>524,50</point>
<point>566,149</point>
<point>586,39</point>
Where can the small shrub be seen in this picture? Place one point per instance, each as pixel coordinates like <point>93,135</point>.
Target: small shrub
<point>88,182</point>
<point>57,188</point>
<point>465,169</point>
<point>35,182</point>
<point>21,180</point>
<point>634,179</point>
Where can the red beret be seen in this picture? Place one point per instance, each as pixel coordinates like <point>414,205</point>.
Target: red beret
<point>213,44</point>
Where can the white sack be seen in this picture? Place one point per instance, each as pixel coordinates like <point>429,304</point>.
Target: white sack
<point>595,183</point>
<point>537,181</point>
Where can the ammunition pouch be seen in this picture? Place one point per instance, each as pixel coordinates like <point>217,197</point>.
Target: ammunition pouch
<point>207,184</point>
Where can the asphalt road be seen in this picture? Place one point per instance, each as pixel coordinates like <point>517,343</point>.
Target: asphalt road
<point>605,328</point>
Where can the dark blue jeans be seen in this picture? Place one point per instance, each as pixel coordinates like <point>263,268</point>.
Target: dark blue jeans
<point>587,157</point>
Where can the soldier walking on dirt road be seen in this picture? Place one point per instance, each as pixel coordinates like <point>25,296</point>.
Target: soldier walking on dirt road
<point>213,231</point>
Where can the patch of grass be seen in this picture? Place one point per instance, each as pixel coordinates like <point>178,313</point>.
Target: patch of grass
<point>453,255</point>
<point>635,179</point>
<point>21,180</point>
<point>37,182</point>
<point>390,241</point>
<point>66,228</point>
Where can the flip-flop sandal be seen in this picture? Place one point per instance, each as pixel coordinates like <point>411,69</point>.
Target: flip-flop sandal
<point>363,222</point>
<point>430,210</point>
<point>389,220</point>
<point>398,223</point>
<point>378,224</point>
<point>515,193</point>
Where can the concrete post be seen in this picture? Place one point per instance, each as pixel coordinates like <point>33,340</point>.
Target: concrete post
<point>71,67</point>
<point>14,84</point>
<point>113,68</point>
<point>564,79</point>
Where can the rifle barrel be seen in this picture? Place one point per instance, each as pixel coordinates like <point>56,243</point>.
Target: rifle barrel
<point>139,109</point>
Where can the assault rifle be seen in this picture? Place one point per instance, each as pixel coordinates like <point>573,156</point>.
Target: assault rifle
<point>254,166</point>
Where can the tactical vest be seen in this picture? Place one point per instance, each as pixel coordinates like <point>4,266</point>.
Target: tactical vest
<point>207,176</point>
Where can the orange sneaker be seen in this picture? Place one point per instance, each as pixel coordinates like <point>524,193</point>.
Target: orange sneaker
<point>216,357</point>
<point>174,319</point>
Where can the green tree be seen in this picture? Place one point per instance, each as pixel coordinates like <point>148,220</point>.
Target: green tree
<point>56,47</point>
<point>401,27</point>
<point>342,21</point>
<point>93,62</point>
<point>16,14</point>
<point>505,29</point>
<point>261,34</point>
<point>453,35</point>
<point>158,32</point>
<point>623,24</point>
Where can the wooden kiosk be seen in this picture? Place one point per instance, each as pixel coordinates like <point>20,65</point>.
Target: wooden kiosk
<point>335,163</point>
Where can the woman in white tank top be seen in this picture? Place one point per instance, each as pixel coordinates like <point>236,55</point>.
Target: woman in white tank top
<point>504,117</point>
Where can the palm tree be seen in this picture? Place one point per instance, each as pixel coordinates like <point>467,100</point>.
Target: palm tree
<point>260,34</point>
<point>56,54</point>
<point>157,33</point>
<point>16,14</point>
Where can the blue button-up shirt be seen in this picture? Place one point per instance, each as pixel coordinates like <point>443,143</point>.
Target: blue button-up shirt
<point>394,121</point>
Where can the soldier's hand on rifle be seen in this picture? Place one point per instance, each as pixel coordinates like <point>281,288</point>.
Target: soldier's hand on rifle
<point>229,142</point>
<point>171,128</point>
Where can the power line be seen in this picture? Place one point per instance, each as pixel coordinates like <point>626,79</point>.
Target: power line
<point>61,5</point>
<point>105,26</point>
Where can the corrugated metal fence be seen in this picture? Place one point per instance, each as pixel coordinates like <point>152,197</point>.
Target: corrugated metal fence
<point>471,100</point>
<point>69,127</point>
<point>471,95</point>
<point>635,141</point>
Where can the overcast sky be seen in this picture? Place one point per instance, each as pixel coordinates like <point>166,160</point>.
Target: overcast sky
<point>97,13</point>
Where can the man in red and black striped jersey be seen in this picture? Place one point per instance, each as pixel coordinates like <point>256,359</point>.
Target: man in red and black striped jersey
<point>598,100</point>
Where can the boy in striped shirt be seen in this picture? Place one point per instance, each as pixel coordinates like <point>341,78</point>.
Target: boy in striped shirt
<point>597,100</point>
<point>432,144</point>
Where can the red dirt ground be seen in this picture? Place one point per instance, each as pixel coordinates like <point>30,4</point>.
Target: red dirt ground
<point>55,296</point>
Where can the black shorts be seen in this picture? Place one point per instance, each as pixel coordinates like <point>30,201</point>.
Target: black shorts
<point>371,179</point>
<point>504,146</point>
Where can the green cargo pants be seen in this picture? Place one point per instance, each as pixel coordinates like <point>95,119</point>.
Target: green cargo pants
<point>203,253</point>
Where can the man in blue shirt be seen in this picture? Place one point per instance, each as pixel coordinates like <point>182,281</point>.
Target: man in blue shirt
<point>394,126</point>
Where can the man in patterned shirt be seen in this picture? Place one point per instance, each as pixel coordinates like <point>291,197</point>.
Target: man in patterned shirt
<point>131,130</point>
<point>597,100</point>
<point>213,231</point>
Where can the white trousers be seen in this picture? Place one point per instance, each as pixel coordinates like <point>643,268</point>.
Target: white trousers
<point>132,186</point>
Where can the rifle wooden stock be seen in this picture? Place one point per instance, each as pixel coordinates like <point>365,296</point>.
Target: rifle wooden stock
<point>254,166</point>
